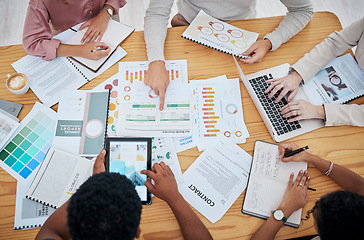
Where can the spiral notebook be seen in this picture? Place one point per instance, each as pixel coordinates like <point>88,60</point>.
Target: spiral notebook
<point>340,81</point>
<point>115,33</point>
<point>47,78</point>
<point>59,177</point>
<point>218,35</point>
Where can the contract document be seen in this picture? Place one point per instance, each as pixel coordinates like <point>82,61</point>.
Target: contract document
<point>216,179</point>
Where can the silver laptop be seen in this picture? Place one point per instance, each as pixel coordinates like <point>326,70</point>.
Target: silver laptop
<point>277,126</point>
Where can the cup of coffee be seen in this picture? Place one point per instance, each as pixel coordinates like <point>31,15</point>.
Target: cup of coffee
<point>17,83</point>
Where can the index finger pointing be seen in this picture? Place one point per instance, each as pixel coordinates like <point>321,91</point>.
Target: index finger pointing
<point>149,173</point>
<point>161,99</point>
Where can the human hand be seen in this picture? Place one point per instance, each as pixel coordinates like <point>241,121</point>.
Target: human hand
<point>286,148</point>
<point>99,165</point>
<point>288,83</point>
<point>165,185</point>
<point>257,51</point>
<point>158,80</point>
<point>300,109</point>
<point>85,50</point>
<point>96,27</point>
<point>296,195</point>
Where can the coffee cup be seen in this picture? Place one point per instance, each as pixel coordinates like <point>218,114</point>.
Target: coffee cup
<point>17,83</point>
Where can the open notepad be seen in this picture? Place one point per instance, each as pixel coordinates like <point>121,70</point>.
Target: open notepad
<point>115,33</point>
<point>268,181</point>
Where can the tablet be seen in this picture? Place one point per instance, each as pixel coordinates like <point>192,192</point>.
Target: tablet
<point>128,156</point>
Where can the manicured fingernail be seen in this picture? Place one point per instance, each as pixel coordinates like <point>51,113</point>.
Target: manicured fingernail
<point>300,171</point>
<point>306,172</point>
<point>308,177</point>
<point>292,174</point>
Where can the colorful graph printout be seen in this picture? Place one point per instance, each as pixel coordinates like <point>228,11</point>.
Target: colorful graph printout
<point>134,72</point>
<point>27,149</point>
<point>112,85</point>
<point>217,111</point>
<point>219,35</point>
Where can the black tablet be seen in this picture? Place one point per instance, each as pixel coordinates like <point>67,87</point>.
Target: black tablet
<point>128,156</point>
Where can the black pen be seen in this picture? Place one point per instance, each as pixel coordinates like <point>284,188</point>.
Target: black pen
<point>296,151</point>
<point>312,189</point>
<point>99,49</point>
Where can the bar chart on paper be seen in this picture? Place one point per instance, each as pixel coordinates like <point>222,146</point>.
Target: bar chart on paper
<point>217,111</point>
<point>134,72</point>
<point>27,149</point>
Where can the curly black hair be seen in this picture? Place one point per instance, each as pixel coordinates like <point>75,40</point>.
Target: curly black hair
<point>106,207</point>
<point>339,215</point>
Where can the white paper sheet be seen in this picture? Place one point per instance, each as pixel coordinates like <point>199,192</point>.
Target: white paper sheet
<point>216,179</point>
<point>163,150</point>
<point>28,213</point>
<point>183,143</point>
<point>217,111</point>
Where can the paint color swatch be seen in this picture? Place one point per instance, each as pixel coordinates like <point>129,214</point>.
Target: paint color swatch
<point>27,149</point>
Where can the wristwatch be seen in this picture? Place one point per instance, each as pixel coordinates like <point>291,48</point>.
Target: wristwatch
<point>279,215</point>
<point>108,10</point>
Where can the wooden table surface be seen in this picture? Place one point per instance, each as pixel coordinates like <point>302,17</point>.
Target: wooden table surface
<point>343,145</point>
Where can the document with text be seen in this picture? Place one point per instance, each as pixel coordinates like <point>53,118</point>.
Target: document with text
<point>216,179</point>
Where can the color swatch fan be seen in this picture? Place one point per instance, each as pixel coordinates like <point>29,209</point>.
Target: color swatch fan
<point>27,149</point>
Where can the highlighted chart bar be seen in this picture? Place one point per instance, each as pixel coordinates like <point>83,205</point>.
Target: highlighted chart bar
<point>213,130</point>
<point>208,96</point>
<point>207,88</point>
<point>211,117</point>
<point>209,126</point>
<point>207,109</point>
<point>144,105</point>
<point>209,135</point>
<point>209,105</point>
<point>209,113</point>
<point>178,105</point>
<point>207,122</point>
<point>209,100</point>
<point>208,92</point>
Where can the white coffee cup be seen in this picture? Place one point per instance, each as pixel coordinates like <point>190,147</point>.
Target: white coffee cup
<point>17,83</point>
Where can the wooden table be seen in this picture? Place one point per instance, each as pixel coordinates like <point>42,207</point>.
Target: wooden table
<point>342,145</point>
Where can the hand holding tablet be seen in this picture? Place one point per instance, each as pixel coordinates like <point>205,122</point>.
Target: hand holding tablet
<point>129,156</point>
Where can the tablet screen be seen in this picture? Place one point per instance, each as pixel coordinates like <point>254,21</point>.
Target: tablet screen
<point>129,157</point>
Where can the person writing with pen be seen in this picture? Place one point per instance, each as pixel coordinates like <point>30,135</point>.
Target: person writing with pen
<point>337,215</point>
<point>45,18</point>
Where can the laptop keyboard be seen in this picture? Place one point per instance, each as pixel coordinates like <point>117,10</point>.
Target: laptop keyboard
<point>279,123</point>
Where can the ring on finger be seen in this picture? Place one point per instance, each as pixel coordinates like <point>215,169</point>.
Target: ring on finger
<point>300,185</point>
<point>282,86</point>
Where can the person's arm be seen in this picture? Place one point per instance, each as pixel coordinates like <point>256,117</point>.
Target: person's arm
<point>155,32</point>
<point>346,178</point>
<point>294,198</point>
<point>299,14</point>
<point>348,114</point>
<point>165,188</point>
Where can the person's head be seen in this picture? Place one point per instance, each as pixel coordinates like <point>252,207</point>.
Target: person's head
<point>106,206</point>
<point>339,215</point>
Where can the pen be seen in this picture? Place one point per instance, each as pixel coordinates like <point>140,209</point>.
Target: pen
<point>296,151</point>
<point>312,189</point>
<point>99,49</point>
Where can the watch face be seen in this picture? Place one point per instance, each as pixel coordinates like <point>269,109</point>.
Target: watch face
<point>278,214</point>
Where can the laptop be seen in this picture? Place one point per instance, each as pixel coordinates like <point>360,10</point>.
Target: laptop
<point>278,127</point>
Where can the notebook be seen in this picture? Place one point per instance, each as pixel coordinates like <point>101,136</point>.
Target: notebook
<point>219,35</point>
<point>82,122</point>
<point>268,181</point>
<point>115,33</point>
<point>58,178</point>
<point>278,127</point>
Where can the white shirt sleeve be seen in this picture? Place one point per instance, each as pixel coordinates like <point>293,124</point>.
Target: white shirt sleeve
<point>348,114</point>
<point>299,14</point>
<point>155,28</point>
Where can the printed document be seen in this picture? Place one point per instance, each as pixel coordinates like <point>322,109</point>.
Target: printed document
<point>216,179</point>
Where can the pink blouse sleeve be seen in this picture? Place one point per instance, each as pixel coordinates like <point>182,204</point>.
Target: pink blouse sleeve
<point>116,4</point>
<point>37,34</point>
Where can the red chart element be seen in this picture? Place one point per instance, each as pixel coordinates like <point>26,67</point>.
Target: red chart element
<point>227,134</point>
<point>115,82</point>
<point>108,86</point>
<point>114,94</point>
<point>127,89</point>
